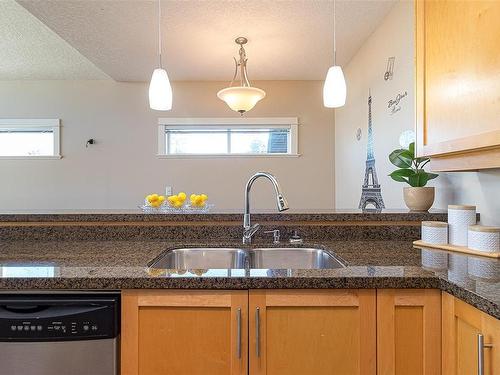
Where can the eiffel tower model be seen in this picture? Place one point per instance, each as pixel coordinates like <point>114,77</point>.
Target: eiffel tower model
<point>371,191</point>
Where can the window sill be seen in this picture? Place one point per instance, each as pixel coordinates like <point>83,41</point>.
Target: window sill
<point>31,157</point>
<point>227,156</point>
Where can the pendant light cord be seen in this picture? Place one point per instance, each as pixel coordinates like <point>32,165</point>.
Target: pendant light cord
<point>159,33</point>
<point>334,34</point>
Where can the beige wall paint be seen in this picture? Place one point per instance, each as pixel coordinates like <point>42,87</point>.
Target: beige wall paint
<point>394,37</point>
<point>366,72</point>
<point>122,167</point>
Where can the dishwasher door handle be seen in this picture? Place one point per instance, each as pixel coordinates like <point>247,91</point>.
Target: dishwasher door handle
<point>24,311</point>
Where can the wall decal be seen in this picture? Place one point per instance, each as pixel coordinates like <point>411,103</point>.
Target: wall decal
<point>371,192</point>
<point>389,71</point>
<point>394,104</point>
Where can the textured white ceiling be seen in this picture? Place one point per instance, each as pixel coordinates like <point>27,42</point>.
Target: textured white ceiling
<point>30,50</point>
<point>288,40</point>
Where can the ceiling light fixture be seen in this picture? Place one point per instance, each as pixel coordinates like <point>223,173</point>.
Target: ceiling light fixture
<point>334,90</point>
<point>244,97</point>
<point>160,91</point>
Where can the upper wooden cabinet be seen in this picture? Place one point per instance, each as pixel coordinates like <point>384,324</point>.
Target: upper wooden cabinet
<point>298,332</point>
<point>462,327</point>
<point>458,83</point>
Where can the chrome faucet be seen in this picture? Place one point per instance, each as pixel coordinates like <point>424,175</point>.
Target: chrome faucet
<point>248,229</point>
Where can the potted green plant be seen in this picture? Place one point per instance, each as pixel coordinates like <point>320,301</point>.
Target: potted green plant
<point>417,196</point>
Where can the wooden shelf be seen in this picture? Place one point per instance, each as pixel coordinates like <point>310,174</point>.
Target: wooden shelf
<point>458,249</point>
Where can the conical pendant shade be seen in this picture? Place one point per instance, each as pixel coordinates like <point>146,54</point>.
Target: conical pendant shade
<point>160,91</point>
<point>334,90</point>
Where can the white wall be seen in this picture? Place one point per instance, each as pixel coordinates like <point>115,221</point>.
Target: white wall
<point>122,167</point>
<point>394,37</point>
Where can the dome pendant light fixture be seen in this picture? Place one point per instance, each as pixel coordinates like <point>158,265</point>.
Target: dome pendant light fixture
<point>334,89</point>
<point>244,97</point>
<point>160,91</point>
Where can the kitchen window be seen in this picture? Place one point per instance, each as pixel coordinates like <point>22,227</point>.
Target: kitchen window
<point>227,137</point>
<point>29,139</point>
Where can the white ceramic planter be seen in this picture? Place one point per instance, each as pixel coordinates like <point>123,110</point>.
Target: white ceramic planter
<point>459,219</point>
<point>418,199</point>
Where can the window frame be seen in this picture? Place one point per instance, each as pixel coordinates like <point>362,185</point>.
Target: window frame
<point>171,123</point>
<point>53,125</point>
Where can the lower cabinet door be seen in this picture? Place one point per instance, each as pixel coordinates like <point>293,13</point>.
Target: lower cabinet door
<point>464,330</point>
<point>408,332</point>
<point>312,332</point>
<point>184,332</point>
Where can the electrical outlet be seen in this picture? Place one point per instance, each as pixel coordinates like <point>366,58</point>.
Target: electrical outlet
<point>168,190</point>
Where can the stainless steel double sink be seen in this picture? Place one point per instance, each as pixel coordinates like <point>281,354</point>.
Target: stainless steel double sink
<point>235,258</point>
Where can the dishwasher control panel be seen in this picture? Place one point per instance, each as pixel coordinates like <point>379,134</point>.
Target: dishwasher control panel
<point>56,319</point>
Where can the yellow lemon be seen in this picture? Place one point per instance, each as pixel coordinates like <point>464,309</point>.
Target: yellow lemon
<point>172,198</point>
<point>204,196</point>
<point>161,198</point>
<point>192,197</point>
<point>182,195</point>
<point>199,201</point>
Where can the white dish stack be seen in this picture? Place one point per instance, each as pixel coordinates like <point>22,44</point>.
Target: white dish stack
<point>459,219</point>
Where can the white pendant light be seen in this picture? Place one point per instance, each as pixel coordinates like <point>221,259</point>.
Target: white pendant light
<point>160,91</point>
<point>244,97</point>
<point>334,89</point>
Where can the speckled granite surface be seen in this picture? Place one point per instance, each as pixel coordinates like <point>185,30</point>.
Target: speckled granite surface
<point>370,264</point>
<point>113,225</point>
<point>232,215</point>
<point>202,231</point>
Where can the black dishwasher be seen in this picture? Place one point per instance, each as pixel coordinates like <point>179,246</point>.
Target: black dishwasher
<point>59,334</point>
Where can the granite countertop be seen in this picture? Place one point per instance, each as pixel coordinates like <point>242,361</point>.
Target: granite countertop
<point>50,216</point>
<point>52,265</point>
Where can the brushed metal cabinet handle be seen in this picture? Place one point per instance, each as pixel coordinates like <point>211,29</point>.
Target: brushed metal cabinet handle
<point>480,353</point>
<point>257,331</point>
<point>238,332</point>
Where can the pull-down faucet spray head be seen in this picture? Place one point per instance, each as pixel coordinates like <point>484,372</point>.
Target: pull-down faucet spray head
<point>282,202</point>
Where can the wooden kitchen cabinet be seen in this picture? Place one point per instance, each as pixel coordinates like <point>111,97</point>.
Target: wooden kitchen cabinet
<point>462,324</point>
<point>184,332</point>
<point>408,332</point>
<point>458,83</point>
<point>312,332</point>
